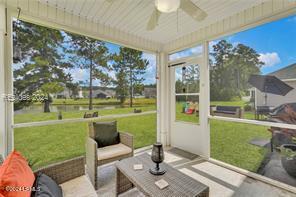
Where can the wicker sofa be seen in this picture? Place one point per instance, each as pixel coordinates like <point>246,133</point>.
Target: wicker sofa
<point>70,175</point>
<point>227,111</point>
<point>99,156</point>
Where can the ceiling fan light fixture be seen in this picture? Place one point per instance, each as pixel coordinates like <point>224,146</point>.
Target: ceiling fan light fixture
<point>167,6</point>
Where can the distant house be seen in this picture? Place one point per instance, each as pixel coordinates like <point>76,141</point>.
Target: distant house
<point>111,92</point>
<point>287,75</point>
<point>98,92</point>
<point>149,92</point>
<point>64,94</point>
<point>138,96</point>
<point>80,93</point>
<point>103,94</point>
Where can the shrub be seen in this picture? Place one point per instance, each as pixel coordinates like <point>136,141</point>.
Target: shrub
<point>248,107</point>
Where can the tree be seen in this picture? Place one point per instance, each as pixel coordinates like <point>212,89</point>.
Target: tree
<point>93,55</point>
<point>42,62</point>
<point>129,67</point>
<point>231,67</point>
<point>138,88</point>
<point>73,89</point>
<point>47,89</point>
<point>121,81</point>
<point>190,79</point>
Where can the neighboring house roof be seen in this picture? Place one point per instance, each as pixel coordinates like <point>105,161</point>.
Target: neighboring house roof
<point>288,72</point>
<point>95,92</point>
<point>111,92</point>
<point>149,91</point>
<point>65,92</point>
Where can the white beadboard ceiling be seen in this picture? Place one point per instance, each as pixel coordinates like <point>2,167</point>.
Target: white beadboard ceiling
<point>131,16</point>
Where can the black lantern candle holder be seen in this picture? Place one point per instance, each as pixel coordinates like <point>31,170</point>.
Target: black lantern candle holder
<point>157,157</point>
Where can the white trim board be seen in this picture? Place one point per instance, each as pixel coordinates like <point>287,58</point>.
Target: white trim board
<point>9,83</point>
<point>255,122</point>
<point>3,131</point>
<point>288,80</point>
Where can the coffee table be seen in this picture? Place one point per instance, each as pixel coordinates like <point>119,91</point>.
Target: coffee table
<point>179,183</point>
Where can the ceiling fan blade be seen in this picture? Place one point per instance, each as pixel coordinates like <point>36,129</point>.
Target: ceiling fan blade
<point>153,21</point>
<point>192,10</point>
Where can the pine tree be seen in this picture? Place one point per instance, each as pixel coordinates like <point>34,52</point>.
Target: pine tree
<point>93,55</point>
<point>42,65</point>
<point>129,67</point>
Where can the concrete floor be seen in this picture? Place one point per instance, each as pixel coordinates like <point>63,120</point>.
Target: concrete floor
<point>271,166</point>
<point>275,170</point>
<point>222,182</point>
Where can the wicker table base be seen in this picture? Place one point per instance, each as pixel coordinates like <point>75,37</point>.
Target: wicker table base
<point>179,183</point>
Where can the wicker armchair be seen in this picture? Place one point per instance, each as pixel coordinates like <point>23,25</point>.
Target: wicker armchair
<point>63,171</point>
<point>70,175</point>
<point>99,156</point>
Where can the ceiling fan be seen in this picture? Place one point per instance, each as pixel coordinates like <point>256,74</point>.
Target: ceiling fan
<point>168,6</point>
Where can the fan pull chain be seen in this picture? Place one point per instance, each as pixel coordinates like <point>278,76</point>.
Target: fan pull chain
<point>156,21</point>
<point>178,20</point>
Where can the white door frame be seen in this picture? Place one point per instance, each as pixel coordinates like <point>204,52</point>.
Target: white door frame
<point>191,137</point>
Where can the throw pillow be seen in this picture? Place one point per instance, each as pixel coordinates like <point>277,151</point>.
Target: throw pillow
<point>106,133</point>
<point>46,187</point>
<point>16,177</point>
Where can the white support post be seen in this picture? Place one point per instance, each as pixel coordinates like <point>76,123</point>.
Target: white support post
<point>3,133</point>
<point>163,99</point>
<point>205,100</point>
<point>9,82</point>
<point>158,91</point>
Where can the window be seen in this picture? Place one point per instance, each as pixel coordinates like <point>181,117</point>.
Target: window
<point>255,71</point>
<point>187,93</point>
<point>64,81</point>
<point>186,53</point>
<point>253,78</point>
<point>56,79</point>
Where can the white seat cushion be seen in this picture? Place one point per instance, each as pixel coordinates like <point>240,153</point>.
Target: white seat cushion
<point>112,151</point>
<point>80,186</point>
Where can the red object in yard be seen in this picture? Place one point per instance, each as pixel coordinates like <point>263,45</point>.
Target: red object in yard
<point>190,111</point>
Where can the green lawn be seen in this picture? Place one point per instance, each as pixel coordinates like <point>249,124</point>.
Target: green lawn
<point>185,117</point>
<point>191,118</point>
<point>230,140</point>
<point>48,144</point>
<point>230,143</point>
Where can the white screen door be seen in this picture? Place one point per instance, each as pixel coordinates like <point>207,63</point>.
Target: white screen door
<point>185,107</point>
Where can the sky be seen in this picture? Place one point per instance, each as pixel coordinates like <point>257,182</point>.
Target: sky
<point>149,76</point>
<point>79,75</point>
<point>275,42</point>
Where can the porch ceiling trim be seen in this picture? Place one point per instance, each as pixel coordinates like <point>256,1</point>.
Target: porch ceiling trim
<point>42,14</point>
<point>265,12</point>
